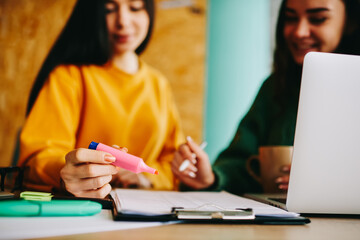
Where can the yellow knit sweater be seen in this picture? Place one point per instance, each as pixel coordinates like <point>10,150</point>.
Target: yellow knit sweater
<point>78,105</point>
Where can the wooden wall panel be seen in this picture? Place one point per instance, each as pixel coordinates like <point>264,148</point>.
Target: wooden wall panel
<point>178,49</point>
<point>27,31</point>
<point>29,28</point>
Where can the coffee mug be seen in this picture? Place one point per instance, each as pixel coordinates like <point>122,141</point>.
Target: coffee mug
<point>270,160</point>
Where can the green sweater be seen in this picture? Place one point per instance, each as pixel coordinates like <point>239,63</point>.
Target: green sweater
<point>270,121</point>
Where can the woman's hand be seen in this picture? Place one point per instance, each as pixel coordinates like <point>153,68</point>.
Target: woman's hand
<point>283,181</point>
<point>198,174</point>
<point>128,179</point>
<point>87,173</point>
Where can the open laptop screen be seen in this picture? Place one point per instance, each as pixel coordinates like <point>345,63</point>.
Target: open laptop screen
<point>325,168</point>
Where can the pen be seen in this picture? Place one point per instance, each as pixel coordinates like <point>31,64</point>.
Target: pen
<point>25,208</point>
<point>186,162</point>
<point>202,146</point>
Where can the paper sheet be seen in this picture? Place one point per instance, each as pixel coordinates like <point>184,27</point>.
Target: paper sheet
<point>161,202</point>
<point>38,227</point>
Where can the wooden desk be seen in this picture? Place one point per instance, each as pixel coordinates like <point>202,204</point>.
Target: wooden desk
<point>319,228</point>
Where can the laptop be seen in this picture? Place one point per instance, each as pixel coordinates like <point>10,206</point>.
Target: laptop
<point>325,169</point>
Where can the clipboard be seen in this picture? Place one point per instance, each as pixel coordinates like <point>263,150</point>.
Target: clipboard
<point>189,215</point>
<point>209,213</point>
<point>218,213</point>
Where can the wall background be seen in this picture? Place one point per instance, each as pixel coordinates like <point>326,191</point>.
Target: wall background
<point>238,61</point>
<point>177,49</point>
<point>27,31</point>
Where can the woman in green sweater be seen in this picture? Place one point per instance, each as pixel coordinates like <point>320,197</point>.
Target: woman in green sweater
<point>303,26</point>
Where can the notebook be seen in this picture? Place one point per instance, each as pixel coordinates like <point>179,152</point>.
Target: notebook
<point>200,207</point>
<point>325,171</point>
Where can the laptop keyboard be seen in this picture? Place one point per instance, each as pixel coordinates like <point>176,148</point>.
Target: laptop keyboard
<point>281,200</point>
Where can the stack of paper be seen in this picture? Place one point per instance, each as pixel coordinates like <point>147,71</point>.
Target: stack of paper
<point>157,203</point>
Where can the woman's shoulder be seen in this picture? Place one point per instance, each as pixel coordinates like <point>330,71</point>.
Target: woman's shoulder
<point>66,70</point>
<point>270,81</point>
<point>75,72</point>
<point>149,71</point>
<point>268,87</point>
<point>71,74</point>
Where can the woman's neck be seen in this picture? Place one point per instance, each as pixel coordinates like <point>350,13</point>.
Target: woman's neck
<point>127,62</point>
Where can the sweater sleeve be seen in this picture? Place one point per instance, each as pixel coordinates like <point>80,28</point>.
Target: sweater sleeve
<point>50,129</point>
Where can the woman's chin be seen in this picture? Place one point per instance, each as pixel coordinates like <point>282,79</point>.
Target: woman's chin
<point>299,60</point>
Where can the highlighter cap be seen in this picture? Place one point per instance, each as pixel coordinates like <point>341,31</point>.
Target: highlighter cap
<point>93,145</point>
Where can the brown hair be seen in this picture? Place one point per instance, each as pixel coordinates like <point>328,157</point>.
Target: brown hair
<point>284,66</point>
<point>84,40</point>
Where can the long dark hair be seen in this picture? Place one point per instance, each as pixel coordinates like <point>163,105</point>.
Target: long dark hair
<point>83,41</point>
<point>284,66</point>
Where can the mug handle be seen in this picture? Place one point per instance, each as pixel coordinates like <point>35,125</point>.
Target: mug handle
<point>250,170</point>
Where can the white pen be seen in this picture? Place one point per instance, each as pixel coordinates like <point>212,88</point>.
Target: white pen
<point>202,146</point>
<point>186,162</point>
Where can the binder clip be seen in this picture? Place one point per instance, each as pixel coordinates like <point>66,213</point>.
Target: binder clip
<point>212,212</point>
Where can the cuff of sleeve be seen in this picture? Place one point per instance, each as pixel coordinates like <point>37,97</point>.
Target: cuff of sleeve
<point>213,187</point>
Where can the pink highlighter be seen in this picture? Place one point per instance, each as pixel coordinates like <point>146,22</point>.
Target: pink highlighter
<point>123,159</point>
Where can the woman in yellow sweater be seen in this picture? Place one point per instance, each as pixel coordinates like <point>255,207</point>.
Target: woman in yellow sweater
<point>93,87</point>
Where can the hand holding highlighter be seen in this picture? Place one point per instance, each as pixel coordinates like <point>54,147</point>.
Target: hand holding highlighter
<point>123,159</point>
